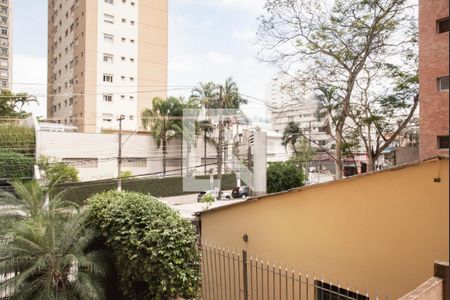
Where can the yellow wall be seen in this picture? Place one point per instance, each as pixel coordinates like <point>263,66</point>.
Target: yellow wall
<point>380,231</point>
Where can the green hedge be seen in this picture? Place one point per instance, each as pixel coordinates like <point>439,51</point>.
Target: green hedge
<point>154,249</point>
<point>15,165</point>
<point>157,187</point>
<point>17,138</point>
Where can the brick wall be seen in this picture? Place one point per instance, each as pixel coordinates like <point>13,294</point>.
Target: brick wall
<point>433,63</point>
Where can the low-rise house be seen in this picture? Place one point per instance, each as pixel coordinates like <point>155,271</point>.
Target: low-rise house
<point>377,234</point>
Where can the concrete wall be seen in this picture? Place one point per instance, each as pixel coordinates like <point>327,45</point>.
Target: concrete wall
<point>380,231</point>
<point>433,64</point>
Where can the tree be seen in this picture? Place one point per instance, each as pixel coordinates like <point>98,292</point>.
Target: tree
<point>282,176</point>
<point>48,249</point>
<point>164,122</point>
<point>304,153</point>
<point>380,118</point>
<point>217,96</point>
<point>51,259</point>
<point>328,44</point>
<point>291,134</point>
<point>11,105</point>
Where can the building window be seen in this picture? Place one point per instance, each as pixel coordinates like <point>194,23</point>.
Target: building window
<point>132,60</point>
<point>134,162</point>
<point>107,78</point>
<point>131,98</point>
<point>124,39</point>
<point>131,117</point>
<point>109,1</point>
<point>124,20</point>
<point>108,58</point>
<point>132,79</point>
<point>123,58</point>
<point>442,25</point>
<point>132,22</point>
<point>173,161</point>
<point>107,98</point>
<point>122,77</point>
<point>443,83</point>
<point>109,38</point>
<point>108,18</point>
<point>107,118</point>
<point>132,41</point>
<point>443,142</point>
<point>326,291</point>
<point>81,162</point>
<point>122,97</point>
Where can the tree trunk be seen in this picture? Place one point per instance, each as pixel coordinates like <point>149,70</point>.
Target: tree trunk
<point>338,155</point>
<point>164,148</point>
<point>371,162</point>
<point>204,150</point>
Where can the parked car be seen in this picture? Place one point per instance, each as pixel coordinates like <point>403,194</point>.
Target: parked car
<point>225,195</point>
<point>240,192</point>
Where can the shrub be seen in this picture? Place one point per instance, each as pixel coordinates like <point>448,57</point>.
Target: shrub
<point>154,248</point>
<point>15,165</point>
<point>62,173</point>
<point>282,176</point>
<point>17,138</point>
<point>157,187</point>
<point>126,174</point>
<point>208,199</point>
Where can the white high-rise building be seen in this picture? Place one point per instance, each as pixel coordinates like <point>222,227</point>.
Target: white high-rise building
<point>289,104</point>
<point>5,44</point>
<point>106,58</point>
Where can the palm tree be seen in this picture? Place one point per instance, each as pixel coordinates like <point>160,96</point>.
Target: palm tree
<point>50,260</point>
<point>231,96</point>
<point>207,129</point>
<point>207,94</point>
<point>164,122</point>
<point>291,135</point>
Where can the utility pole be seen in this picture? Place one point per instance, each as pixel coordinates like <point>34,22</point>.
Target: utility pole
<point>219,153</point>
<point>309,142</point>
<point>119,157</point>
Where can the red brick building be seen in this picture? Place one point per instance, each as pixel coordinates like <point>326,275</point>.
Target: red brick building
<point>434,77</point>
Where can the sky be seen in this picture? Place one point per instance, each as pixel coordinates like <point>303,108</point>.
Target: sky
<point>209,40</point>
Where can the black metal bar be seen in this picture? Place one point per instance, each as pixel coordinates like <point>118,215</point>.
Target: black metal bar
<point>307,286</point>
<point>287,288</point>
<point>268,284</point>
<point>206,267</point>
<point>220,277</point>
<point>239,277</point>
<point>224,274</point>
<point>229,275</point>
<point>300,286</point>
<point>251,278</point>
<point>256,278</point>
<point>262,280</point>
<point>216,286</point>
<point>273,281</point>
<point>293,285</point>
<point>244,274</point>
<point>279,280</point>
<point>234,277</point>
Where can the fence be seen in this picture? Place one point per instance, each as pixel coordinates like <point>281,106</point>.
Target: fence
<point>237,275</point>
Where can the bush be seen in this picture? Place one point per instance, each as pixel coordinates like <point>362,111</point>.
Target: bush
<point>126,174</point>
<point>154,248</point>
<point>157,187</point>
<point>208,199</point>
<point>282,176</point>
<point>17,138</point>
<point>15,165</point>
<point>61,172</point>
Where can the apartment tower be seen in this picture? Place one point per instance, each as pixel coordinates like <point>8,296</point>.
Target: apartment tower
<point>106,59</point>
<point>433,77</point>
<point>5,44</point>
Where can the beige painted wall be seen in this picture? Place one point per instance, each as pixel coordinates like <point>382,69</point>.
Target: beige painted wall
<point>380,231</point>
<point>152,52</point>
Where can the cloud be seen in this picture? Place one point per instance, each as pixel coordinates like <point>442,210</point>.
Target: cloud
<point>30,76</point>
<point>218,58</point>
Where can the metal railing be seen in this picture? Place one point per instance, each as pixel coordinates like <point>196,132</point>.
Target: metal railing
<point>228,274</point>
